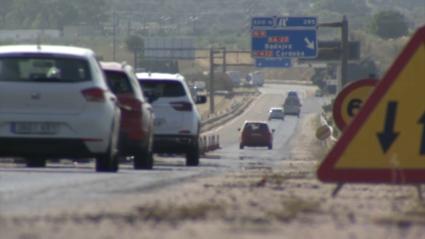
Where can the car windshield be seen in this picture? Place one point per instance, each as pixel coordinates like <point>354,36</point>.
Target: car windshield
<point>39,68</point>
<point>162,88</point>
<point>118,82</point>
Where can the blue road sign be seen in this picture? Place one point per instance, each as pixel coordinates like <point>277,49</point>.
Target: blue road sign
<point>273,62</point>
<point>284,43</point>
<point>282,22</point>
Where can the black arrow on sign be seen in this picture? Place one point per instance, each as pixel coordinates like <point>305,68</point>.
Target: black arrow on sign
<point>388,136</point>
<point>422,121</point>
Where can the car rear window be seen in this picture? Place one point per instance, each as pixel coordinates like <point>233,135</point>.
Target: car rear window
<point>162,88</point>
<point>118,82</point>
<point>256,127</point>
<point>292,101</point>
<point>39,68</point>
<point>277,112</point>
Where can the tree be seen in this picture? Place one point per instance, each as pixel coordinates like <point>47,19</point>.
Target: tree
<point>5,8</point>
<point>389,24</point>
<point>346,7</point>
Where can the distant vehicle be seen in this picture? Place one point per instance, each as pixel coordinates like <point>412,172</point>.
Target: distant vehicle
<point>55,103</point>
<point>177,121</point>
<point>276,113</point>
<point>256,134</point>
<point>292,106</point>
<point>200,85</point>
<point>318,93</point>
<point>293,94</point>
<point>199,95</point>
<point>136,132</point>
<point>256,78</point>
<point>235,77</point>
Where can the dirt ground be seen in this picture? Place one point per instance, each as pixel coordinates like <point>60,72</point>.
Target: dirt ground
<point>258,202</point>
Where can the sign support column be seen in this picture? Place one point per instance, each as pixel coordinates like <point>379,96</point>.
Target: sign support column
<point>211,81</point>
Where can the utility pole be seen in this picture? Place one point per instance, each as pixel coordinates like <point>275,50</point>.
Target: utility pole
<point>344,53</point>
<point>211,81</point>
<point>114,35</point>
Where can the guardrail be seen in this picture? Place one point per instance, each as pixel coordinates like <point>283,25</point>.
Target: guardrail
<point>209,143</point>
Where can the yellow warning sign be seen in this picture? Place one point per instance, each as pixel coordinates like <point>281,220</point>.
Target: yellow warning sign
<point>391,136</point>
<point>386,140</point>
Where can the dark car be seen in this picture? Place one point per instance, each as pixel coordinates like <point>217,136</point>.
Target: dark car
<point>256,134</point>
<point>292,106</point>
<point>293,94</point>
<point>136,136</point>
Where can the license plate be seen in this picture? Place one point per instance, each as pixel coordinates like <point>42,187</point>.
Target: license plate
<point>35,128</point>
<point>159,121</point>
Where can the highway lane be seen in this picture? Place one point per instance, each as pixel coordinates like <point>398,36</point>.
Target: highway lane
<point>64,185</point>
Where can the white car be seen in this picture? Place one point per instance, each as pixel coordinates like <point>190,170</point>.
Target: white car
<point>177,121</point>
<point>276,113</point>
<point>54,103</point>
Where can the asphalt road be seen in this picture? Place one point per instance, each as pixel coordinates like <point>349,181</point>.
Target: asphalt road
<point>62,185</point>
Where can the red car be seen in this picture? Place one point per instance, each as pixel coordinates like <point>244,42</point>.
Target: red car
<point>256,134</point>
<point>136,136</point>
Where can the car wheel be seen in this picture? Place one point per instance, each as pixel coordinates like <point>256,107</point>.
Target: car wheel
<point>143,159</point>
<point>270,146</point>
<point>241,146</point>
<point>192,157</point>
<point>108,162</point>
<point>36,162</point>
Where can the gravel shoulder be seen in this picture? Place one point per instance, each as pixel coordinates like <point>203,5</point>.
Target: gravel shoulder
<point>257,202</point>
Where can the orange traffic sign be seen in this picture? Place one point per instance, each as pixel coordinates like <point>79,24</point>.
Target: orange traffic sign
<point>350,99</point>
<point>386,140</point>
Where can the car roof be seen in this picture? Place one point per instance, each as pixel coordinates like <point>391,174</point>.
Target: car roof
<point>110,65</point>
<point>47,49</point>
<point>159,76</point>
<point>256,122</point>
<point>115,66</point>
<point>276,108</point>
